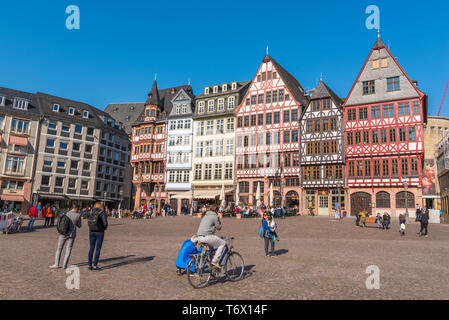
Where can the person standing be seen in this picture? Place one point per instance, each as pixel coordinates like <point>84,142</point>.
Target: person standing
<point>418,213</point>
<point>268,239</point>
<point>424,222</point>
<point>39,209</point>
<point>98,223</point>
<point>45,215</point>
<point>75,222</point>
<point>34,214</point>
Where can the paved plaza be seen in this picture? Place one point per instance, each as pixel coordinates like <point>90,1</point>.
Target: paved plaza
<point>318,258</point>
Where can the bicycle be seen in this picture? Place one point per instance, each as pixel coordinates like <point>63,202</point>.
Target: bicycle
<point>200,269</point>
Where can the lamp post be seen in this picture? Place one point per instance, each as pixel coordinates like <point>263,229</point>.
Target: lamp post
<point>104,200</point>
<point>406,201</point>
<point>192,186</point>
<point>120,207</point>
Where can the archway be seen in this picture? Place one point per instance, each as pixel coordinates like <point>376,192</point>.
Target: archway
<point>292,199</point>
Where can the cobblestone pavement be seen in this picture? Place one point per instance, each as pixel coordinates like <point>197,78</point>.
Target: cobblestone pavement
<point>318,258</point>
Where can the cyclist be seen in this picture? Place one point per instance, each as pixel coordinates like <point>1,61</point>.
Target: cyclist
<point>206,233</point>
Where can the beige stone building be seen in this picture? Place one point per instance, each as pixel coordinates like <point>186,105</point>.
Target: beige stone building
<point>434,132</point>
<point>19,137</point>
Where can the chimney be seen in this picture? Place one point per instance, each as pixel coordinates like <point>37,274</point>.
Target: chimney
<point>415,82</point>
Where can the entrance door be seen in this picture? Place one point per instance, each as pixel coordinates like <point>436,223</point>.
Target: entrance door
<point>323,205</point>
<point>360,201</point>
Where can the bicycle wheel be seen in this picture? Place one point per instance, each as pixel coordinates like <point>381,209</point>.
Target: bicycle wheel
<point>234,267</point>
<point>198,272</point>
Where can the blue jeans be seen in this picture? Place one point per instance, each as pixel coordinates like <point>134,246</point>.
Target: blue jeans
<point>31,224</point>
<point>96,240</point>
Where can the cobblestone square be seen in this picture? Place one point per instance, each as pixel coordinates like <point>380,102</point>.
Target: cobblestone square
<point>318,258</point>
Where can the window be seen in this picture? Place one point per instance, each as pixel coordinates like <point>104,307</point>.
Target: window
<point>198,171</point>
<point>210,106</point>
<point>363,113</point>
<point>403,197</point>
<point>56,107</point>
<point>393,84</point>
<point>88,148</point>
<point>352,114</point>
<point>218,172</point>
<point>268,139</point>
<point>229,147</point>
<point>74,164</point>
<point>393,135</point>
<point>208,171</point>
<point>358,138</point>
<point>230,125</point>
<point>246,121</point>
<point>383,136</point>
<point>326,104</point>
<point>404,167</point>
<point>86,114</point>
<point>78,129</point>
<point>275,96</point>
<point>286,116</point>
<point>201,107</point>
<point>253,120</point>
<point>2,101</point>
<point>50,143</point>
<point>281,95</point>
<point>367,169</point>
<point>59,182</point>
<point>277,117</point>
<point>72,183</point>
<point>76,146</point>
<point>219,148</point>
<point>351,169</point>
<point>215,88</point>
<point>253,99</point>
<point>368,87</point>
<point>403,109</point>
<point>375,112</point>
<point>63,145</point>
<point>376,168</point>
<point>206,90</point>
<point>375,64</point>
<point>268,118</point>
<point>375,137</point>
<point>294,135</point>
<point>286,136</point>
<point>385,169</point>
<point>260,98</point>
<point>316,105</point>
<point>231,103</point>
<point>210,127</point>
<point>411,134</point>
<point>84,184</point>
<point>90,131</point>
<point>416,107</point>
<point>20,126</point>
<point>45,180</point>
<point>208,149</point>
<point>350,138</point>
<point>20,104</point>
<point>365,137</point>
<point>220,105</point>
<point>394,167</point>
<point>60,164</point>
<point>15,165</point>
<point>244,187</point>
<point>402,135</point>
<point>295,115</point>
<point>388,111</point>
<point>383,200</point>
<point>224,87</point>
<point>414,167</point>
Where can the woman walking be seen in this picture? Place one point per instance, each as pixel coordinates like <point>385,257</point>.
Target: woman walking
<point>267,230</point>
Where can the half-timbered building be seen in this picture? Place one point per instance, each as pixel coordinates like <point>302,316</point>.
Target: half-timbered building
<point>267,136</point>
<point>384,117</point>
<point>149,147</point>
<point>322,152</point>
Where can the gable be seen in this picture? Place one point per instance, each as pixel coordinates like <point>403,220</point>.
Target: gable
<point>379,66</point>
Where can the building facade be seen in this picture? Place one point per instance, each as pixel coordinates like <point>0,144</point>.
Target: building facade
<point>443,174</point>
<point>322,152</point>
<point>148,151</point>
<point>384,117</point>
<point>19,139</point>
<point>81,155</point>
<point>214,140</point>
<point>267,136</point>
<point>434,131</point>
<point>178,175</point>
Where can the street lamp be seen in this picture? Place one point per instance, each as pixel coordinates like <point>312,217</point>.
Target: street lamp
<point>104,200</point>
<point>406,201</point>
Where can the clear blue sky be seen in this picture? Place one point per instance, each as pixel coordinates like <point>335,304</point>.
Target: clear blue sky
<point>122,44</point>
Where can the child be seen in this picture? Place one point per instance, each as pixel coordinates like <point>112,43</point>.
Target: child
<point>402,225</point>
<point>273,224</point>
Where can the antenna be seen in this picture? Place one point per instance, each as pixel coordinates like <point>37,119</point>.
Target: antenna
<point>189,81</point>
<point>267,50</point>
<point>155,76</point>
<point>378,33</point>
<point>321,76</point>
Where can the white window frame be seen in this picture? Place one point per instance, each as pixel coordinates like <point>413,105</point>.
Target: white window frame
<point>55,107</point>
<point>231,103</point>
<point>215,89</point>
<point>85,114</point>
<point>206,90</point>
<point>201,107</point>
<point>2,101</point>
<point>71,111</point>
<point>234,86</point>
<point>210,104</point>
<point>220,106</point>
<point>20,104</point>
<point>224,88</point>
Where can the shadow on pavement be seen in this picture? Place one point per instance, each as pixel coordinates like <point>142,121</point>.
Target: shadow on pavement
<point>280,252</point>
<point>106,260</point>
<point>131,261</point>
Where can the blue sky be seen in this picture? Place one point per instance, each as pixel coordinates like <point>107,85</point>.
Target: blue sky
<point>122,44</point>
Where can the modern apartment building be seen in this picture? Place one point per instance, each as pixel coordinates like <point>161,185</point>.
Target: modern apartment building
<point>214,140</point>
<point>19,139</point>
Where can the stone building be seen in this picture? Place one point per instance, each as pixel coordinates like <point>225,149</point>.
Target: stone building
<point>19,139</point>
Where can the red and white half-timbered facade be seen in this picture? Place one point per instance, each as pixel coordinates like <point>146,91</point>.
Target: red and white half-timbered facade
<point>267,136</point>
<point>384,117</point>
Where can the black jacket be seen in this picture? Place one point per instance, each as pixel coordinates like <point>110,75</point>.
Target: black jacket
<point>102,223</point>
<point>425,216</point>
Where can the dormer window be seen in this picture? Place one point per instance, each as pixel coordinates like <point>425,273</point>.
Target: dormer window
<point>20,104</point>
<point>56,107</point>
<point>147,112</point>
<point>224,87</point>
<point>105,119</point>
<point>234,86</point>
<point>71,111</point>
<point>215,89</point>
<point>206,90</point>
<point>2,101</point>
<point>86,114</point>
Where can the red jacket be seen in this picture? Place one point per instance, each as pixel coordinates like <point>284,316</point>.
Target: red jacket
<point>34,213</point>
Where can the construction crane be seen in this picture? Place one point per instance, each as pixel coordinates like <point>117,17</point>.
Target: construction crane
<point>444,97</point>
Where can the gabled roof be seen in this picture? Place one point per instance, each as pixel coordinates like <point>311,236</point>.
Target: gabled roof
<point>10,94</point>
<point>165,98</point>
<point>153,97</point>
<point>323,91</point>
<point>293,85</point>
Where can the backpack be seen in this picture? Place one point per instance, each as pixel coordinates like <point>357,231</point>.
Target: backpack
<point>261,231</point>
<point>93,220</point>
<point>63,226</point>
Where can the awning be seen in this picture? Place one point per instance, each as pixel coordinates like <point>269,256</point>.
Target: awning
<point>51,196</point>
<point>20,141</point>
<point>7,197</point>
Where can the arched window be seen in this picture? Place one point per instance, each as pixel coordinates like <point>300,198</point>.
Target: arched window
<point>401,197</point>
<point>383,200</point>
